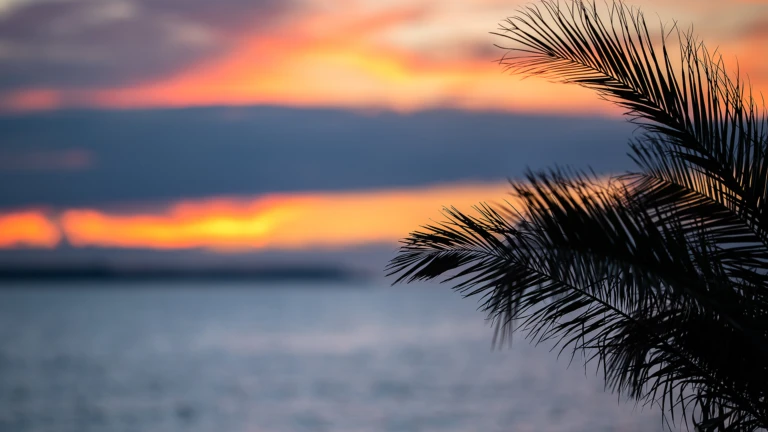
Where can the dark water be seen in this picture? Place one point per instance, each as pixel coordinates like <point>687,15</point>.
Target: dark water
<point>282,358</point>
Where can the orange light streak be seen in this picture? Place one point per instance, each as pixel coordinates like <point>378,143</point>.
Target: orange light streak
<point>28,229</point>
<point>299,221</point>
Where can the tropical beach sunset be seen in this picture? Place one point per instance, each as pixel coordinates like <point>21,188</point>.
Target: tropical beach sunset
<point>293,144</point>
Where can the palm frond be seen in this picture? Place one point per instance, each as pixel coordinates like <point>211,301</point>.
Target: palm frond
<point>586,270</point>
<point>711,122</point>
<point>661,276</point>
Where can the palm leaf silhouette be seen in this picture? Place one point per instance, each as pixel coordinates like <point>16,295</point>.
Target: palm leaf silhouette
<point>659,275</point>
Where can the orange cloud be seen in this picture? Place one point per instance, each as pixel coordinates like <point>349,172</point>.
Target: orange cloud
<point>342,61</point>
<point>343,72</point>
<point>324,220</point>
<point>28,229</point>
<point>359,54</point>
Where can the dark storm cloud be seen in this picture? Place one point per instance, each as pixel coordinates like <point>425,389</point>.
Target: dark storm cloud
<point>102,42</point>
<point>160,155</point>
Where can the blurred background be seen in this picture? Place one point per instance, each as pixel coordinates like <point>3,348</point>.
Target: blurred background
<point>198,198</point>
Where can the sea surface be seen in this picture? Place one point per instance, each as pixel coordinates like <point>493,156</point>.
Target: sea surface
<point>240,357</point>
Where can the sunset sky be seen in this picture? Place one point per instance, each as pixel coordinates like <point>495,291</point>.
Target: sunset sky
<point>257,125</point>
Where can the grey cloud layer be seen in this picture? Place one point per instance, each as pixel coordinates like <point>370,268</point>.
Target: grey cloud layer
<point>170,154</point>
<point>107,42</point>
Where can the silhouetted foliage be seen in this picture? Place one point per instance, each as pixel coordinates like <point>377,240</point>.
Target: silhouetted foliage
<point>659,275</point>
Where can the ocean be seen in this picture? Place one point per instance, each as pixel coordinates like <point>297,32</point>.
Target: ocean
<point>241,357</point>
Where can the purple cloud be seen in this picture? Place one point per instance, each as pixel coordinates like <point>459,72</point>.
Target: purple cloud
<point>88,43</point>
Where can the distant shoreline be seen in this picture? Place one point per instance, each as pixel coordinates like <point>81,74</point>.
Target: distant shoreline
<point>109,273</point>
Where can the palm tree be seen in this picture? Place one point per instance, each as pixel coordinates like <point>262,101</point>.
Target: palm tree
<point>659,275</point>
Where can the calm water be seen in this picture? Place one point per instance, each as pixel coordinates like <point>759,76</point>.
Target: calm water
<point>283,358</point>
